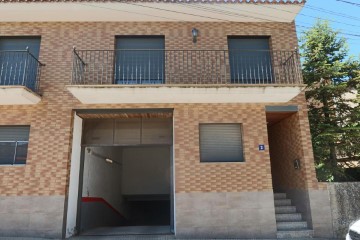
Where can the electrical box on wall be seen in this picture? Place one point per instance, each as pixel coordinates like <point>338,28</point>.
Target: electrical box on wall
<point>297,163</point>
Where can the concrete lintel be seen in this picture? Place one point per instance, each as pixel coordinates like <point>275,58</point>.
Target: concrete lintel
<point>119,111</point>
<point>288,108</point>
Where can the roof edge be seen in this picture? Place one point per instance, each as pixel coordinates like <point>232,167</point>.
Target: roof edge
<point>296,2</point>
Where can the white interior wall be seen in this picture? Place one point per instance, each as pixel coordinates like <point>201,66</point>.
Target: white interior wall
<point>102,179</point>
<point>146,170</point>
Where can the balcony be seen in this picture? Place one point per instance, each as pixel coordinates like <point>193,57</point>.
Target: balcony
<point>19,78</point>
<point>185,76</point>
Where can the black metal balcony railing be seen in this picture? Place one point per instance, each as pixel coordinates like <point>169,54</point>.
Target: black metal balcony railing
<point>20,68</point>
<point>92,67</point>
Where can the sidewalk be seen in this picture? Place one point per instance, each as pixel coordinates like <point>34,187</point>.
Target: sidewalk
<point>158,237</point>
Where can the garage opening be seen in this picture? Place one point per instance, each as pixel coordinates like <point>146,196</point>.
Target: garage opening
<point>126,175</point>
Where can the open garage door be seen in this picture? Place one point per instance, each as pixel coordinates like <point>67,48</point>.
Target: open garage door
<point>126,184</point>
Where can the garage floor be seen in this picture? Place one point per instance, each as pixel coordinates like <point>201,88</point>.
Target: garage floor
<point>128,230</point>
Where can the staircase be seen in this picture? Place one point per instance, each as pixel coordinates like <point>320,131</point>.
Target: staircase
<point>288,221</point>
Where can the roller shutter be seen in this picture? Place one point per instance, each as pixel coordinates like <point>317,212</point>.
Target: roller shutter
<point>14,133</point>
<point>221,143</point>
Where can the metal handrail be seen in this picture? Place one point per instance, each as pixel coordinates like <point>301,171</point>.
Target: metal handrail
<point>41,64</point>
<point>75,53</point>
<point>7,51</point>
<point>193,66</point>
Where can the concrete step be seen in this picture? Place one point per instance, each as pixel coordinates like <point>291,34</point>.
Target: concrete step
<point>282,202</point>
<point>295,234</point>
<point>285,209</point>
<point>288,217</point>
<point>291,226</point>
<point>279,196</point>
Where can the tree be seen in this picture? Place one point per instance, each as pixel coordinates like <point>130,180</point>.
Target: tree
<point>333,84</point>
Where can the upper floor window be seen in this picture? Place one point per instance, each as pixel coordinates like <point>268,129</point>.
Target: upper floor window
<point>140,60</point>
<point>250,60</point>
<point>18,61</point>
<point>14,142</point>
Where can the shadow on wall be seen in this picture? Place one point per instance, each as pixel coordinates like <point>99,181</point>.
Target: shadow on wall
<point>102,203</point>
<point>286,146</point>
<point>96,212</point>
<point>125,186</point>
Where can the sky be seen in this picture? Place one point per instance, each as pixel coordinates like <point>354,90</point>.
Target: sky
<point>348,22</point>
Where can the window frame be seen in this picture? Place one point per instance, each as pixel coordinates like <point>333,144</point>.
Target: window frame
<point>139,81</point>
<point>24,37</point>
<point>14,162</point>
<point>261,77</point>
<point>242,160</point>
<point>21,56</point>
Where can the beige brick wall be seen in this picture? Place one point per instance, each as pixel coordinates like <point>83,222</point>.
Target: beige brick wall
<point>47,168</point>
<point>290,139</point>
<point>193,176</point>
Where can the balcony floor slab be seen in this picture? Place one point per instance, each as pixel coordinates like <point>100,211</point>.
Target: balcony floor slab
<point>118,94</point>
<point>18,95</point>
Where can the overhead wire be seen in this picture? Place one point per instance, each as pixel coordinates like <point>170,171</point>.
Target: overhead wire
<point>120,10</point>
<point>218,19</point>
<point>306,15</point>
<point>323,10</point>
<point>211,18</point>
<point>348,2</point>
<point>204,8</point>
<point>229,13</point>
<point>347,38</point>
<point>173,11</point>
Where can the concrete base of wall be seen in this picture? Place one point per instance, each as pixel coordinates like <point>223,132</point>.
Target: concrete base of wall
<point>202,215</point>
<point>321,213</point>
<point>225,215</point>
<point>314,205</point>
<point>300,198</point>
<point>31,216</point>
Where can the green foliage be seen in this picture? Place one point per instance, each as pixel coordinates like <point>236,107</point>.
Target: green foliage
<point>333,84</point>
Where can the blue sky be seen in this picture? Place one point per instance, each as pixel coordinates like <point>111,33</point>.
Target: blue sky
<point>321,8</point>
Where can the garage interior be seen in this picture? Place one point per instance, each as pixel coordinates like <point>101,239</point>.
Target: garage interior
<point>126,176</point>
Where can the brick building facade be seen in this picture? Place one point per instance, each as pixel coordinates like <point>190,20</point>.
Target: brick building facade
<point>218,199</point>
